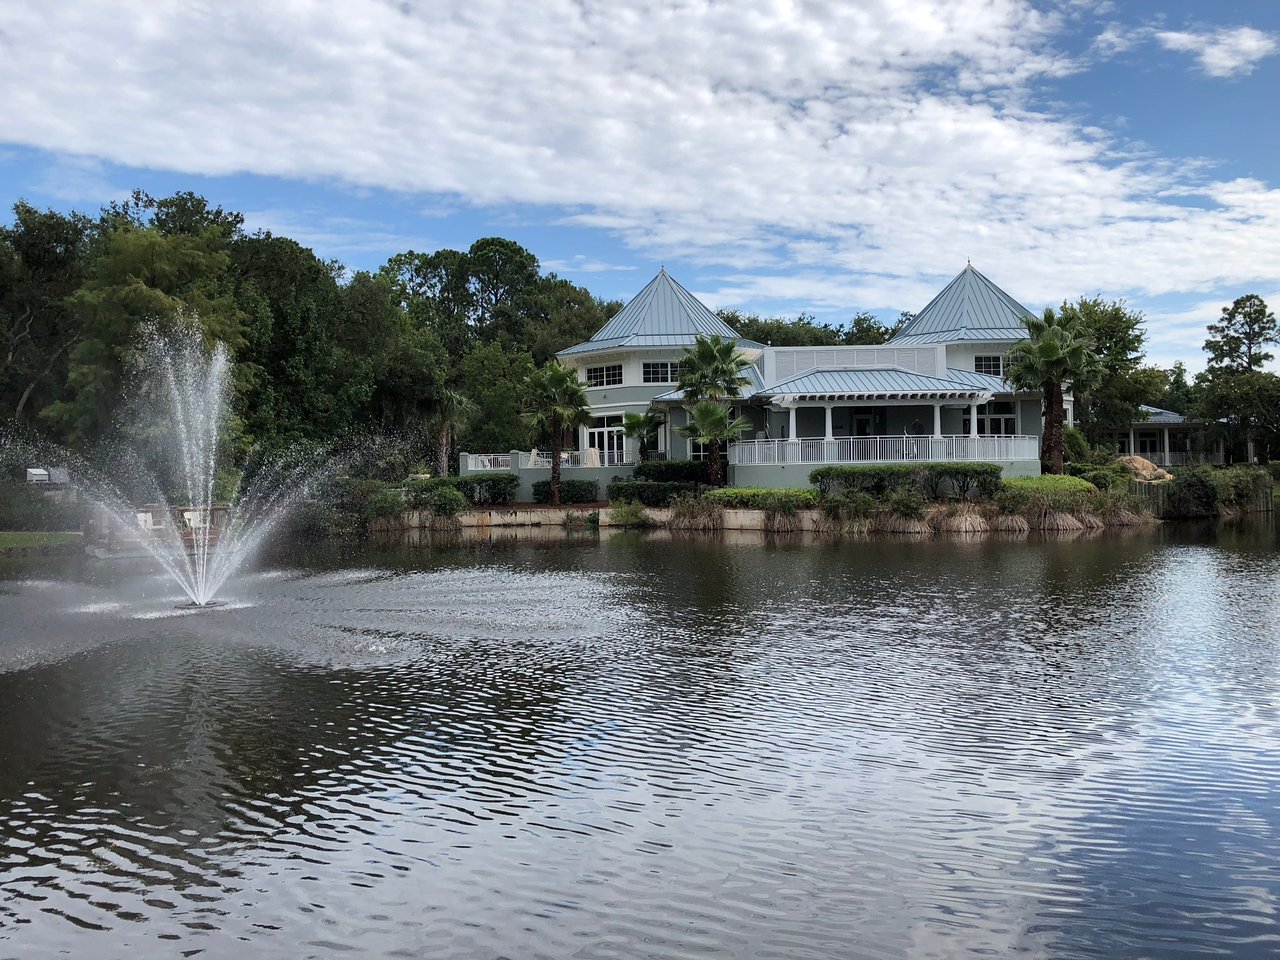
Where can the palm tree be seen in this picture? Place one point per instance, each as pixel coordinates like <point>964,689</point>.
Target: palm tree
<point>1058,352</point>
<point>555,403</point>
<point>453,412</point>
<point>642,427</point>
<point>712,423</point>
<point>712,370</point>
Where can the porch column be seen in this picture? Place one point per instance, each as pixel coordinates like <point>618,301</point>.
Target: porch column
<point>973,419</point>
<point>1133,444</point>
<point>937,419</point>
<point>1167,459</point>
<point>830,432</point>
<point>791,430</point>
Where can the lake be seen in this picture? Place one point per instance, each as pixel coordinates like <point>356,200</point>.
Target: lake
<point>635,746</point>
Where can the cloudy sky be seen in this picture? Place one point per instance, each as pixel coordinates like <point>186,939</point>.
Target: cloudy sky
<point>776,156</point>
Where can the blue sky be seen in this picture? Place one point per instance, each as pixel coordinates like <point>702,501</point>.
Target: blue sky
<point>776,156</point>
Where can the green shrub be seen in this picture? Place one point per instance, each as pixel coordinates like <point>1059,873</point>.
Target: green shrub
<point>571,491</point>
<point>763,498</point>
<point>875,479</point>
<point>1060,493</point>
<point>936,480</point>
<point>853,505</point>
<point>908,504</point>
<point>1197,492</point>
<point>1114,477</point>
<point>696,513</point>
<point>25,506</point>
<point>674,471</point>
<point>488,489</point>
<point>1246,483</point>
<point>447,502</point>
<point>1273,468</point>
<point>629,513</point>
<point>1075,446</point>
<point>480,489</point>
<point>381,504</point>
<point>650,493</point>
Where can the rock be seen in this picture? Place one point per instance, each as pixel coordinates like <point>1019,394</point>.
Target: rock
<point>1144,469</point>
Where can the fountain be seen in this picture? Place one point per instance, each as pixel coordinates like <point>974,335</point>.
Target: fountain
<point>197,541</point>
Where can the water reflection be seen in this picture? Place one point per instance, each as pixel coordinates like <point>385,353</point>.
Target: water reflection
<point>744,745</point>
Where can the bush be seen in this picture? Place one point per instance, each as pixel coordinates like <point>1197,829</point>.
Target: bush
<point>784,501</point>
<point>1115,477</point>
<point>1075,446</point>
<point>908,504</point>
<point>447,502</point>
<point>571,491</point>
<point>25,506</point>
<point>479,489</point>
<point>380,504</point>
<point>875,479</point>
<point>1246,483</point>
<point>1273,468</point>
<point>629,513</point>
<point>674,471</point>
<point>650,493</point>
<point>850,506</point>
<point>696,513</point>
<point>1204,491</point>
<point>1060,493</point>
<point>936,480</point>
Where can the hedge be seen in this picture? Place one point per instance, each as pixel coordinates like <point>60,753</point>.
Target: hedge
<point>763,498</point>
<point>1051,491</point>
<point>1273,468</point>
<point>571,491</point>
<point>650,493</point>
<point>674,471</point>
<point>1203,491</point>
<point>480,489</point>
<point>931,479</point>
<point>25,506</point>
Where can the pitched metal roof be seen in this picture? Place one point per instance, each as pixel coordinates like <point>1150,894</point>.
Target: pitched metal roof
<point>663,314</point>
<point>983,381</point>
<point>872,383</point>
<point>1157,415</point>
<point>970,307</point>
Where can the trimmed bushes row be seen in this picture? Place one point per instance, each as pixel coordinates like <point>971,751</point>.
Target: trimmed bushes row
<point>674,471</point>
<point>571,491</point>
<point>932,480</point>
<point>488,489</point>
<point>763,498</point>
<point>650,493</point>
<point>1061,493</point>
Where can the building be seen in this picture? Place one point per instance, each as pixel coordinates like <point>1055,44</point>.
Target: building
<point>1168,439</point>
<point>936,392</point>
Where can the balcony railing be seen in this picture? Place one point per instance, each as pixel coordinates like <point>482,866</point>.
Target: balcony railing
<point>486,461</point>
<point>541,459</point>
<point>883,450</point>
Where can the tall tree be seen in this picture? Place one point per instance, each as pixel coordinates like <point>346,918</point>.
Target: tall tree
<point>1238,340</point>
<point>712,423</point>
<point>1244,409</point>
<point>493,379</point>
<point>44,256</point>
<point>1112,400</point>
<point>555,403</point>
<point>865,330</point>
<point>453,412</point>
<point>1057,353</point>
<point>503,276</point>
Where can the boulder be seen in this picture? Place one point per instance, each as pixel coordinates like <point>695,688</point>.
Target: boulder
<point>1144,469</point>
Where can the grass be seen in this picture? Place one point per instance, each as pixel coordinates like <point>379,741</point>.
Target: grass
<point>26,539</point>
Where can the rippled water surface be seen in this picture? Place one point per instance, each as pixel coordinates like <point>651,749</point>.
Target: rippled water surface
<point>635,747</point>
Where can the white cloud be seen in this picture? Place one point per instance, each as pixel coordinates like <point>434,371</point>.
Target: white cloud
<point>1225,52</point>
<point>835,153</point>
<point>581,263</point>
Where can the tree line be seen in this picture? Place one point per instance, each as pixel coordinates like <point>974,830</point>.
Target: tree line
<point>437,348</point>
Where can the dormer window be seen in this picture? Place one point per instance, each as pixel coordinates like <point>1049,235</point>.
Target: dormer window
<point>992,365</point>
<point>610,376</point>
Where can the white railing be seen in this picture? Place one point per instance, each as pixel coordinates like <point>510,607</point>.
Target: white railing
<point>486,461</point>
<point>883,449</point>
<point>541,459</point>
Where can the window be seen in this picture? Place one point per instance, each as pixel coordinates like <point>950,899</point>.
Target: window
<point>609,376</point>
<point>993,365</point>
<point>995,419</point>
<point>661,371</point>
<point>697,451</point>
